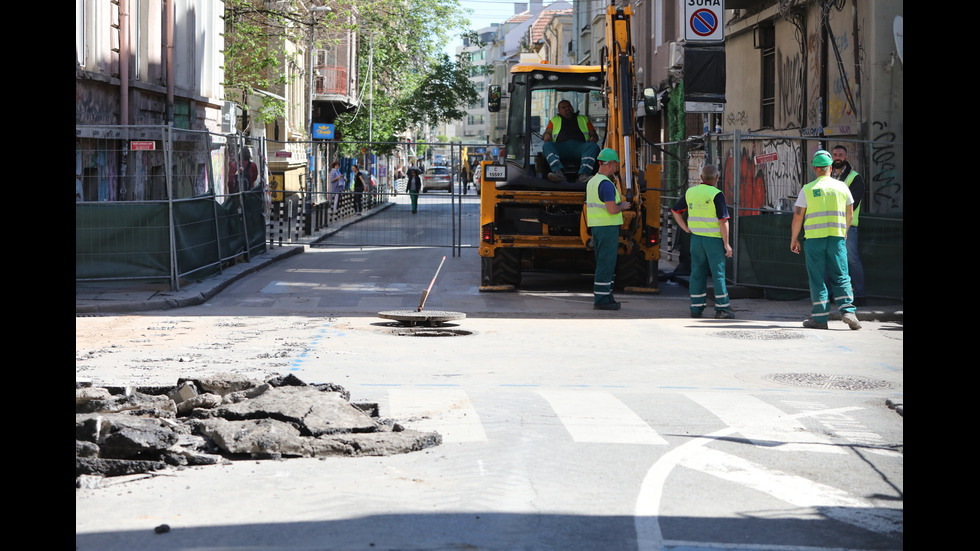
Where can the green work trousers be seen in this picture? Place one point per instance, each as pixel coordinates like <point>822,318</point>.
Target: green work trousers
<point>605,241</point>
<point>707,260</point>
<point>827,257</point>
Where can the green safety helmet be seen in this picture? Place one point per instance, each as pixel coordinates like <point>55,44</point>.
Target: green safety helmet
<point>822,158</point>
<point>608,154</point>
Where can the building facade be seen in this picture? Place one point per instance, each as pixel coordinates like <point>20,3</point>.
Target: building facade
<point>143,62</point>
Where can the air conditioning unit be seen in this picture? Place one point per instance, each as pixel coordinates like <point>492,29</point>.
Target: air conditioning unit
<point>676,55</point>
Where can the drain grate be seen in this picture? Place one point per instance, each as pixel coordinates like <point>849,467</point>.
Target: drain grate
<point>828,381</point>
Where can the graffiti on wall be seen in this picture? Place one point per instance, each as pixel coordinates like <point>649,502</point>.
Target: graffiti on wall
<point>94,106</point>
<point>768,185</point>
<point>96,172</point>
<point>752,183</point>
<point>789,71</point>
<point>886,185</point>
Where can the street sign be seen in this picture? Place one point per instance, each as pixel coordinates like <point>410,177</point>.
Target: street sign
<point>142,146</point>
<point>705,20</point>
<point>323,131</point>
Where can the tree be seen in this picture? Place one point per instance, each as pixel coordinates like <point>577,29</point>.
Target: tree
<point>443,92</point>
<point>411,85</point>
<point>396,40</point>
<point>254,54</point>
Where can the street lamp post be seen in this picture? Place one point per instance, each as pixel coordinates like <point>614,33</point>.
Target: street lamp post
<point>313,156</point>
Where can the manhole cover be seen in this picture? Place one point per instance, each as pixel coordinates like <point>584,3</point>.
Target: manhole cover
<point>827,381</point>
<point>412,318</point>
<point>763,335</point>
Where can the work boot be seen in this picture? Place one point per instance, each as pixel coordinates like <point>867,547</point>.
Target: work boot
<point>584,178</point>
<point>851,320</point>
<point>557,177</point>
<point>809,323</point>
<point>607,306</point>
<point>724,315</point>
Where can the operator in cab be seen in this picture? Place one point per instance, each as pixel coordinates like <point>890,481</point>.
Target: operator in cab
<point>570,136</point>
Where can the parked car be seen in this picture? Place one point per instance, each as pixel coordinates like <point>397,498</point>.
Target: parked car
<point>437,177</point>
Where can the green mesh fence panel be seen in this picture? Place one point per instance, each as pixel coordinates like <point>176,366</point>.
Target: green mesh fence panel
<point>880,243</point>
<point>197,238</point>
<point>122,240</point>
<point>764,258</point>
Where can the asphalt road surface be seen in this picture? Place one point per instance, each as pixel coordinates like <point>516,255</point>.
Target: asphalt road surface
<point>564,428</point>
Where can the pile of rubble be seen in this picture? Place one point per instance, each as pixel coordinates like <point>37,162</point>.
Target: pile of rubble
<point>204,421</point>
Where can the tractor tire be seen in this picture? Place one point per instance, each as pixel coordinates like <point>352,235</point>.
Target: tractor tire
<point>504,268</point>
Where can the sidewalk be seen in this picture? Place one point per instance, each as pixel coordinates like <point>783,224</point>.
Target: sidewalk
<point>122,297</point>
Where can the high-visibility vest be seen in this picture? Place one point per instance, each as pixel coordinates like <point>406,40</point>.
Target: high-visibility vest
<point>595,209</point>
<point>826,208</point>
<point>702,217</point>
<point>857,210</point>
<point>583,125</point>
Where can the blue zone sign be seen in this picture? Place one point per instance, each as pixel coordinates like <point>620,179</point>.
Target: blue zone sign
<point>705,20</point>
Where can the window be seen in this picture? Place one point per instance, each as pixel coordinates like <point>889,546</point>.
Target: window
<point>767,43</point>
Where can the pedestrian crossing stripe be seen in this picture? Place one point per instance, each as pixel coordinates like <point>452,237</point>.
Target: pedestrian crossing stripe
<point>595,416</point>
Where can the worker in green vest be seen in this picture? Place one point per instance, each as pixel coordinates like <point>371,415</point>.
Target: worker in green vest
<point>570,136</point>
<point>604,215</point>
<point>824,210</point>
<point>707,222</point>
<point>843,171</point>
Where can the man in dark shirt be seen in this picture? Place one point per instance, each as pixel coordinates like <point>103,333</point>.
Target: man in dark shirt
<point>570,136</point>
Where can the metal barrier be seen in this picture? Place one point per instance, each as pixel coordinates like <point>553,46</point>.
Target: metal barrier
<point>761,176</point>
<point>155,203</point>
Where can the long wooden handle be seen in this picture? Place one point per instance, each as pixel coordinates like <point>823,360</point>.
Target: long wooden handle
<point>425,293</point>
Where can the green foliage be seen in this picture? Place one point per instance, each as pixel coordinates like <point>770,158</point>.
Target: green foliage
<point>412,87</point>
<point>399,56</point>
<point>254,53</point>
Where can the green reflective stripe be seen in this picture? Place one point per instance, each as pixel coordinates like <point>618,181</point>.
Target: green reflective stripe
<point>816,226</point>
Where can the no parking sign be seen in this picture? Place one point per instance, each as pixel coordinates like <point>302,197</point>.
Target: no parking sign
<point>705,20</point>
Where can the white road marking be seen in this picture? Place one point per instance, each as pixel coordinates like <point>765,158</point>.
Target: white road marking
<point>596,416</point>
<point>762,424</point>
<point>796,490</point>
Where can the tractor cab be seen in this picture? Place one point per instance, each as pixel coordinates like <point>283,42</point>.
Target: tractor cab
<point>535,91</point>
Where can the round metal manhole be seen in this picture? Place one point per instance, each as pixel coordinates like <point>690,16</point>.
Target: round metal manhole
<point>828,381</point>
<point>412,318</point>
<point>763,335</point>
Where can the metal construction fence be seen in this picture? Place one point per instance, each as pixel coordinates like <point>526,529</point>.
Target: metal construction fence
<point>162,204</point>
<point>761,176</point>
<point>155,203</point>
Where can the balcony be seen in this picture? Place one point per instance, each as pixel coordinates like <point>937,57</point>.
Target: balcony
<point>330,80</point>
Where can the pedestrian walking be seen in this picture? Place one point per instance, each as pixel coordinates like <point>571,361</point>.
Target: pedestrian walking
<point>707,222</point>
<point>359,185</point>
<point>413,186</point>
<point>336,183</point>
<point>824,211</point>
<point>604,215</point>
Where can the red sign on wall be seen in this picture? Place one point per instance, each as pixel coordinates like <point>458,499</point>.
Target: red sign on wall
<point>142,146</point>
